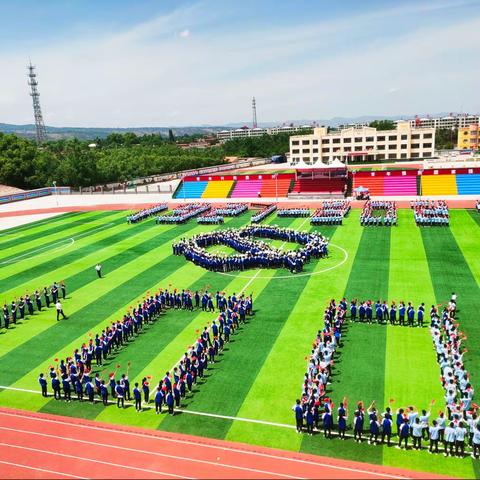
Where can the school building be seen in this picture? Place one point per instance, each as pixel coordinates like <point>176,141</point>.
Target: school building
<point>364,143</point>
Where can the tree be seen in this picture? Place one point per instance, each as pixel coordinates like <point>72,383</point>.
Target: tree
<point>171,136</point>
<point>383,124</point>
<point>445,138</point>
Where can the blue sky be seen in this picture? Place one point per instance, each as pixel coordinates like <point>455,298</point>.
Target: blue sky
<point>168,63</point>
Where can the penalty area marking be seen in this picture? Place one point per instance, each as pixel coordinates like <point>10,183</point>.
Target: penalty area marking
<point>61,246</point>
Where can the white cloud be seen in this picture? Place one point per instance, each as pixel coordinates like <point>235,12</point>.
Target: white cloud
<point>146,75</point>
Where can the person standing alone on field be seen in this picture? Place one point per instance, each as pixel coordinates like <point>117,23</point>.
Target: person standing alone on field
<point>98,269</point>
<point>59,308</point>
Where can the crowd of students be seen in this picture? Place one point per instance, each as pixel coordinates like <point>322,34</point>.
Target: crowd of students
<point>458,427</point>
<point>263,213</point>
<point>331,212</point>
<point>387,213</point>
<point>232,209</point>
<point>293,212</point>
<point>146,213</point>
<point>210,217</point>
<point>252,254</point>
<point>26,304</point>
<point>184,213</point>
<point>430,212</point>
<point>75,377</point>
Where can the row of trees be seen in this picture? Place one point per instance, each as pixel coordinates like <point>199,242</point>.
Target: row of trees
<point>116,158</point>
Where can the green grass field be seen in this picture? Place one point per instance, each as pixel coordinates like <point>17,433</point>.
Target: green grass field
<point>259,375</point>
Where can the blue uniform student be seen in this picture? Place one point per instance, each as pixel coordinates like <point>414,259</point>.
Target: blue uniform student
<point>342,421</point>
<point>410,315</point>
<point>43,384</point>
<point>170,401</point>
<point>120,393</point>
<point>387,428</point>
<point>358,426</point>
<point>309,420</point>
<point>420,314</point>
<point>297,408</point>
<point>158,400</point>
<point>404,434</point>
<point>137,396</point>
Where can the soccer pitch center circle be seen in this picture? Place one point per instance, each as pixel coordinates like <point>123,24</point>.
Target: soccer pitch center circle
<point>274,275</point>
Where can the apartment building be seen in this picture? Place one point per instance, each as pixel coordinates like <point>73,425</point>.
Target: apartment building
<point>449,122</point>
<point>468,138</point>
<point>366,144</point>
<point>245,132</point>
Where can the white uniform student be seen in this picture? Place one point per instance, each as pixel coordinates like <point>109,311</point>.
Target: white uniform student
<point>460,433</point>
<point>433,434</point>
<point>476,443</point>
<point>417,431</point>
<point>450,438</point>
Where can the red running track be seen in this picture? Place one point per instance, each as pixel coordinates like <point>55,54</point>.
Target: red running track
<point>34,445</point>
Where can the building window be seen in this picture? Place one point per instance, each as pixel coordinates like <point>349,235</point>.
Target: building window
<point>403,155</point>
<point>336,149</point>
<point>403,147</point>
<point>315,150</point>
<point>381,138</point>
<point>327,140</point>
<point>404,137</point>
<point>427,145</point>
<point>369,139</point>
<point>427,135</point>
<point>427,154</point>
<point>358,139</point>
<point>392,137</point>
<point>415,145</point>
<point>325,150</point>
<point>347,140</point>
<point>315,159</point>
<point>305,142</point>
<point>305,150</point>
<point>315,142</point>
<point>392,147</point>
<point>325,159</point>
<point>415,155</point>
<point>336,140</point>
<point>380,156</point>
<point>347,149</point>
<point>415,136</point>
<point>295,142</point>
<point>381,147</point>
<point>358,149</point>
<point>392,155</point>
<point>306,159</point>
<point>296,150</point>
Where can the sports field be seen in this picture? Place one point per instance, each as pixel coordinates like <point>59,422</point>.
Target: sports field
<point>248,394</point>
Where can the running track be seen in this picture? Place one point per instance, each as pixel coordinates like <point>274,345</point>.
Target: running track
<point>34,445</point>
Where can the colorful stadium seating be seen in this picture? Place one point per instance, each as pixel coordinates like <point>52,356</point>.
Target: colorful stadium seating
<point>190,190</point>
<point>439,185</point>
<point>247,189</point>
<point>218,189</point>
<point>403,185</point>
<point>468,184</point>
<point>274,188</point>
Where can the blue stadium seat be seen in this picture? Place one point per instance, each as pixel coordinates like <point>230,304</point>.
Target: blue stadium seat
<point>468,184</point>
<point>192,190</point>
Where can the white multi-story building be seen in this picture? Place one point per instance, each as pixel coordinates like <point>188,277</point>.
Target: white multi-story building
<point>365,144</point>
<point>245,132</point>
<point>450,122</point>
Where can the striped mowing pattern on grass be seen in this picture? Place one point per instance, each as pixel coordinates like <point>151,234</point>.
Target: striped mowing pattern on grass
<point>259,382</point>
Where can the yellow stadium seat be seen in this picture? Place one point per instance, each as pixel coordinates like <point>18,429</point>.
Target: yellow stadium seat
<point>218,189</point>
<point>439,185</point>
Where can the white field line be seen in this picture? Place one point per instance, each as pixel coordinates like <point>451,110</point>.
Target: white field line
<point>64,422</point>
<point>59,242</point>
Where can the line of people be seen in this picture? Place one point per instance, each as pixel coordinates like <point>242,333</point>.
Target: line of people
<point>26,304</point>
<point>232,209</point>
<point>379,213</point>
<point>75,376</point>
<point>146,213</point>
<point>211,217</point>
<point>184,213</point>
<point>332,212</point>
<point>251,253</point>
<point>293,212</point>
<point>264,213</point>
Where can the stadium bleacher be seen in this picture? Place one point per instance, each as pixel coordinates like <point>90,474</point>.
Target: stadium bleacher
<point>439,185</point>
<point>190,190</point>
<point>468,184</point>
<point>320,185</point>
<point>246,189</point>
<point>218,189</point>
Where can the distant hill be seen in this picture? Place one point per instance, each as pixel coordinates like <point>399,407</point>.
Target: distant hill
<point>85,133</point>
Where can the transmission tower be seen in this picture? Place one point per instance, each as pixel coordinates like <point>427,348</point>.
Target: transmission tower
<point>254,112</point>
<point>41,132</point>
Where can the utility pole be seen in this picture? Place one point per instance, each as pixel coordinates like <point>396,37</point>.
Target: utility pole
<point>41,133</point>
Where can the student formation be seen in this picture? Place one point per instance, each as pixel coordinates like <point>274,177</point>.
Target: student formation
<point>430,213</point>
<point>449,432</point>
<point>74,375</point>
<point>251,253</point>
<point>379,213</point>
